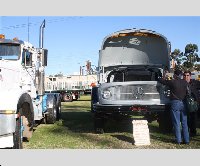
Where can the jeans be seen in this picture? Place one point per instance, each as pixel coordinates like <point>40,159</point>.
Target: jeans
<point>179,115</point>
<point>192,117</point>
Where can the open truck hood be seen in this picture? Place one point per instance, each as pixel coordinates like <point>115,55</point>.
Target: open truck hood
<point>134,47</point>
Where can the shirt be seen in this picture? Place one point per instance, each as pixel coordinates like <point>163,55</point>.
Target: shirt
<point>195,87</point>
<point>178,88</point>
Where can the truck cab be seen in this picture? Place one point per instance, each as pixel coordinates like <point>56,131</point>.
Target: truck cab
<point>23,99</point>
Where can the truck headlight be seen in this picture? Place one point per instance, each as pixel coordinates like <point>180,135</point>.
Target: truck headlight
<point>106,94</point>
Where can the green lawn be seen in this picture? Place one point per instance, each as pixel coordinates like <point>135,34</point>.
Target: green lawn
<point>75,131</point>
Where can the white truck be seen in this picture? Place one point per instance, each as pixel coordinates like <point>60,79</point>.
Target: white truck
<point>23,102</point>
<point>130,63</point>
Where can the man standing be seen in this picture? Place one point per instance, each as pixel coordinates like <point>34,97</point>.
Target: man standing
<point>194,86</point>
<point>178,91</point>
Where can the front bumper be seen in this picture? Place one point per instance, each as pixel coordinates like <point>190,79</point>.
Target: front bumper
<point>129,108</point>
<point>7,123</point>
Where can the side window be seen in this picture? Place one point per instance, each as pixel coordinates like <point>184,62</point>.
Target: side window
<point>26,58</point>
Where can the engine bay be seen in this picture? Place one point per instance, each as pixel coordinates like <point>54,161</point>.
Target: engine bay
<point>140,73</point>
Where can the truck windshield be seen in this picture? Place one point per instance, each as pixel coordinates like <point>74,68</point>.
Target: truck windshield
<point>9,51</point>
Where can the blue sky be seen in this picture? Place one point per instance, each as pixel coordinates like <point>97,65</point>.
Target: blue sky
<point>73,40</point>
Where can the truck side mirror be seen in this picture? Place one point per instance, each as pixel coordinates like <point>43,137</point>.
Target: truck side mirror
<point>44,57</point>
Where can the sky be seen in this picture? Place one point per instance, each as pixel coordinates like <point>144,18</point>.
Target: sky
<point>72,40</point>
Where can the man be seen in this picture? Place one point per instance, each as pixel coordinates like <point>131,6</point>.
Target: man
<point>178,91</point>
<point>194,87</point>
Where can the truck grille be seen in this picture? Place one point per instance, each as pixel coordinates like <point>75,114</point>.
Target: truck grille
<point>135,92</point>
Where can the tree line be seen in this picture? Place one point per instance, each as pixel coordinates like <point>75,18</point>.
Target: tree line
<point>188,59</point>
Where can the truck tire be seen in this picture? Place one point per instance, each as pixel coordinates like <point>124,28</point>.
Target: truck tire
<point>25,108</point>
<point>28,129</point>
<point>58,109</point>
<point>94,97</point>
<point>25,119</point>
<point>165,122</point>
<point>67,97</point>
<point>17,137</point>
<point>98,123</point>
<point>51,115</point>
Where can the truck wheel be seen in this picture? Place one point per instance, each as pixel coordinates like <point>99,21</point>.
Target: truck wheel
<point>67,97</point>
<point>98,124</point>
<point>25,109</point>
<point>165,123</point>
<point>58,110</point>
<point>51,117</point>
<point>17,137</point>
<point>94,97</point>
<point>28,130</point>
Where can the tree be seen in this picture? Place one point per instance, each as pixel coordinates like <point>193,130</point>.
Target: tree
<point>186,61</point>
<point>177,55</point>
<point>197,67</point>
<point>190,55</point>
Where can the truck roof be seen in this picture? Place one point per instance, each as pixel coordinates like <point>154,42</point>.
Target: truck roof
<point>16,41</point>
<point>11,41</point>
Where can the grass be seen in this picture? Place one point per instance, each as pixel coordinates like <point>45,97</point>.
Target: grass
<point>75,131</point>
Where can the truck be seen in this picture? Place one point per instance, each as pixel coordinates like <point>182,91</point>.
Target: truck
<point>130,64</point>
<point>23,101</point>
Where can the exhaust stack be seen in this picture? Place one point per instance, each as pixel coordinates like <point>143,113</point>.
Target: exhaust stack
<point>41,37</point>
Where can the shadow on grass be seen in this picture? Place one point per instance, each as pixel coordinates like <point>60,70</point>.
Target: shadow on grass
<point>153,128</point>
<point>196,138</point>
<point>123,138</point>
<point>113,126</point>
<point>78,121</point>
<point>74,107</point>
<point>84,100</point>
<point>156,134</point>
<point>162,138</point>
<point>83,122</point>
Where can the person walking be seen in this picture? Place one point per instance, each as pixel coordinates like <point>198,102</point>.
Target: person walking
<point>194,86</point>
<point>178,91</point>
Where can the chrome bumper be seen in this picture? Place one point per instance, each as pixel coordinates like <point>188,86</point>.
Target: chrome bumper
<point>7,123</point>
